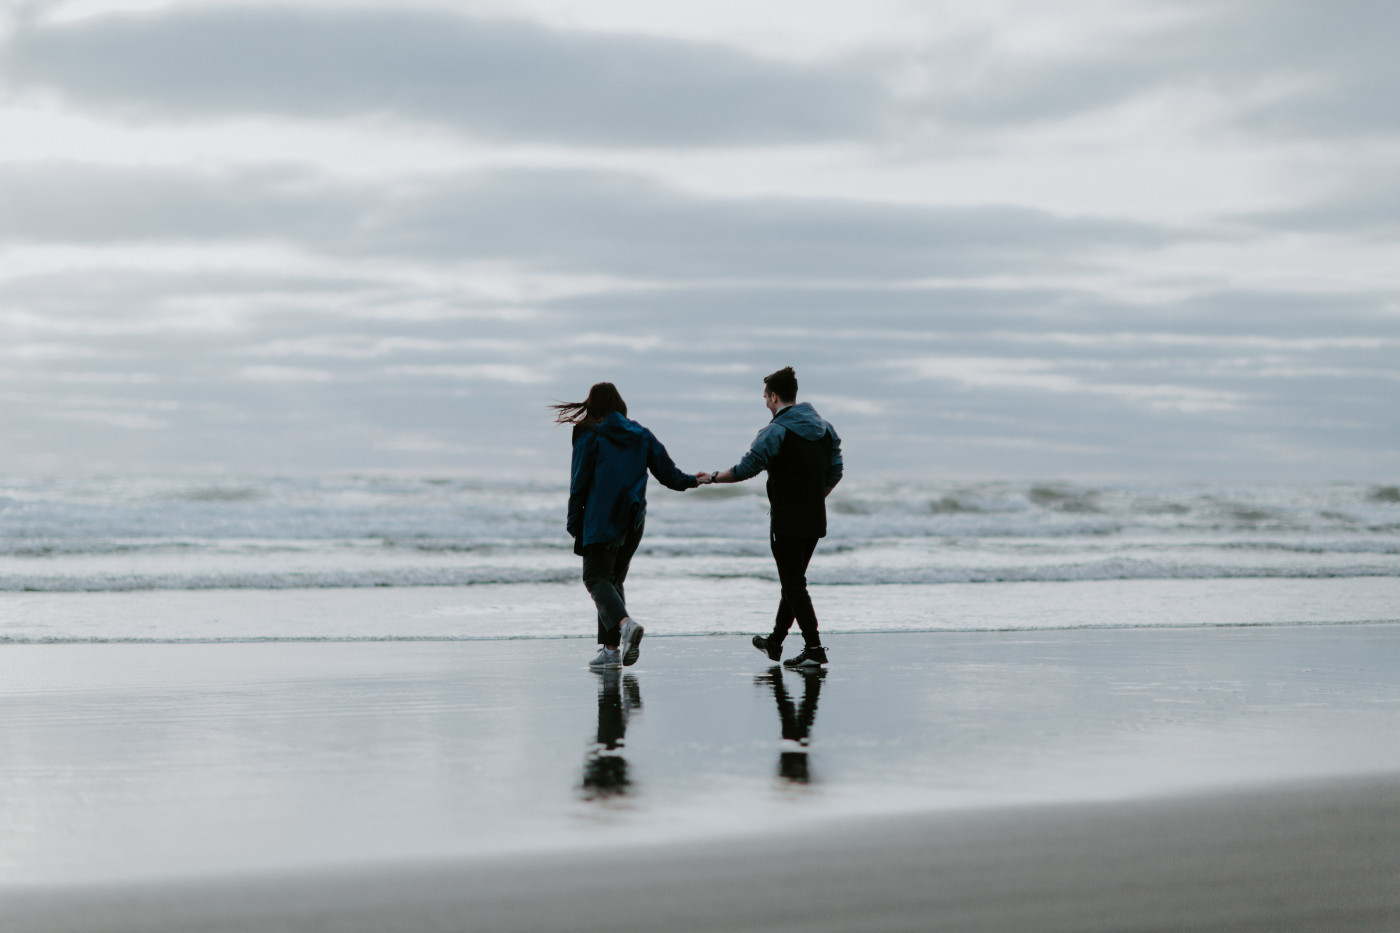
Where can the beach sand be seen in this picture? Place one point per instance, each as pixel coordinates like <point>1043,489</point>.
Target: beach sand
<point>1151,779</point>
<point>1315,858</point>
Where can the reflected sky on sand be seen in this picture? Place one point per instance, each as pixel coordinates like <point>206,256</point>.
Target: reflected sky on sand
<point>149,761</point>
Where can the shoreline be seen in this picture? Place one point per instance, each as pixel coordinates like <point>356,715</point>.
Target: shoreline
<point>1317,855</point>
<point>654,636</point>
<point>683,606</point>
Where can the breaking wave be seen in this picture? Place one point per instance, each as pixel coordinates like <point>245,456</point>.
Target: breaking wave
<point>116,534</point>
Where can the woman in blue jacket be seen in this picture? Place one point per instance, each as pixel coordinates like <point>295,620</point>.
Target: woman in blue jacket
<point>608,506</point>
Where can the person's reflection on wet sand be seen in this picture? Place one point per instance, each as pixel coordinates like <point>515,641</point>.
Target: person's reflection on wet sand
<point>797,720</point>
<point>605,770</point>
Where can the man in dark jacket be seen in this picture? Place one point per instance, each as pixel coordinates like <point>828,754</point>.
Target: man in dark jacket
<point>802,455</point>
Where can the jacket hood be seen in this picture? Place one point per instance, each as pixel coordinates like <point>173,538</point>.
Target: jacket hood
<point>620,430</point>
<point>802,419</point>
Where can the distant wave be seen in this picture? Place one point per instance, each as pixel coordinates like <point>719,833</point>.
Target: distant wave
<point>97,583</point>
<point>109,534</point>
<point>410,511</point>
<point>667,544</point>
<point>1105,570</point>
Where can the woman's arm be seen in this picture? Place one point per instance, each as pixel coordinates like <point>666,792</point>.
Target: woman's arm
<point>580,481</point>
<point>661,465</point>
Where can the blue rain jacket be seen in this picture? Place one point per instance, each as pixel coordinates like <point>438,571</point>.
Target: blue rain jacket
<point>608,488</point>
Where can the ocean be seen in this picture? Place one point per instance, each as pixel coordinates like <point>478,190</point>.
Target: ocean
<point>394,556</point>
<point>265,675</point>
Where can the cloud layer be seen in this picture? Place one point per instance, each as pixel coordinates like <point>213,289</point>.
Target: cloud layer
<point>919,226</point>
<point>491,78</point>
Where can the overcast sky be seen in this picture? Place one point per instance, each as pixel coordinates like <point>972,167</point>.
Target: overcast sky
<point>996,238</point>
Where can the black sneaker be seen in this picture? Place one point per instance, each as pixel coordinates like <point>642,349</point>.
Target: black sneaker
<point>768,647</point>
<point>815,656</point>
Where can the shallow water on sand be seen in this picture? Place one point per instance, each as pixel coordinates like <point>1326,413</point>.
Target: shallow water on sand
<point>160,760</point>
<point>683,607</point>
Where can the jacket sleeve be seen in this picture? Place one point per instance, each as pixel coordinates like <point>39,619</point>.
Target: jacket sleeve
<point>835,467</point>
<point>765,447</point>
<point>580,481</point>
<point>661,465</point>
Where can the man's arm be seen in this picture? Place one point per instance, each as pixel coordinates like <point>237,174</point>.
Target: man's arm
<point>765,448</point>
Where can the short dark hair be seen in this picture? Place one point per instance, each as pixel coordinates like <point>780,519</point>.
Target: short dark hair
<point>782,383</point>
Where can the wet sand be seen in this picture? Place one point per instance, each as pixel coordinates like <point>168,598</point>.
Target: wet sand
<point>685,605</point>
<point>1322,857</point>
<point>1208,779</point>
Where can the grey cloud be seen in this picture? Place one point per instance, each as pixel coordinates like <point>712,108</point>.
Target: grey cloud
<point>966,92</point>
<point>597,221</point>
<point>559,221</point>
<point>116,306</point>
<point>1144,404</point>
<point>1363,201</point>
<point>1307,390</point>
<point>921,316</point>
<point>1341,55</point>
<point>1327,69</point>
<point>1291,67</point>
<point>82,203</point>
<point>492,78</point>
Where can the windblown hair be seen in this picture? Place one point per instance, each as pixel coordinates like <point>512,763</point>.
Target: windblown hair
<point>783,384</point>
<point>603,399</point>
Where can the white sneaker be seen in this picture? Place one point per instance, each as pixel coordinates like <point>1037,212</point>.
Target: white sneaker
<point>631,642</point>
<point>607,659</point>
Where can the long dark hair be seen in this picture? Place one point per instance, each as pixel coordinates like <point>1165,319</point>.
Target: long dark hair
<point>603,399</point>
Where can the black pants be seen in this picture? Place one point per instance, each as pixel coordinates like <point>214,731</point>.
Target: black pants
<point>792,555</point>
<point>604,570</point>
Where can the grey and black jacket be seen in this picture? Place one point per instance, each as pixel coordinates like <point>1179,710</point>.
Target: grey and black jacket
<point>802,454</point>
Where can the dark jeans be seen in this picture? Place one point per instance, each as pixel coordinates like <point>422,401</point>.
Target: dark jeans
<point>792,555</point>
<point>604,570</point>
